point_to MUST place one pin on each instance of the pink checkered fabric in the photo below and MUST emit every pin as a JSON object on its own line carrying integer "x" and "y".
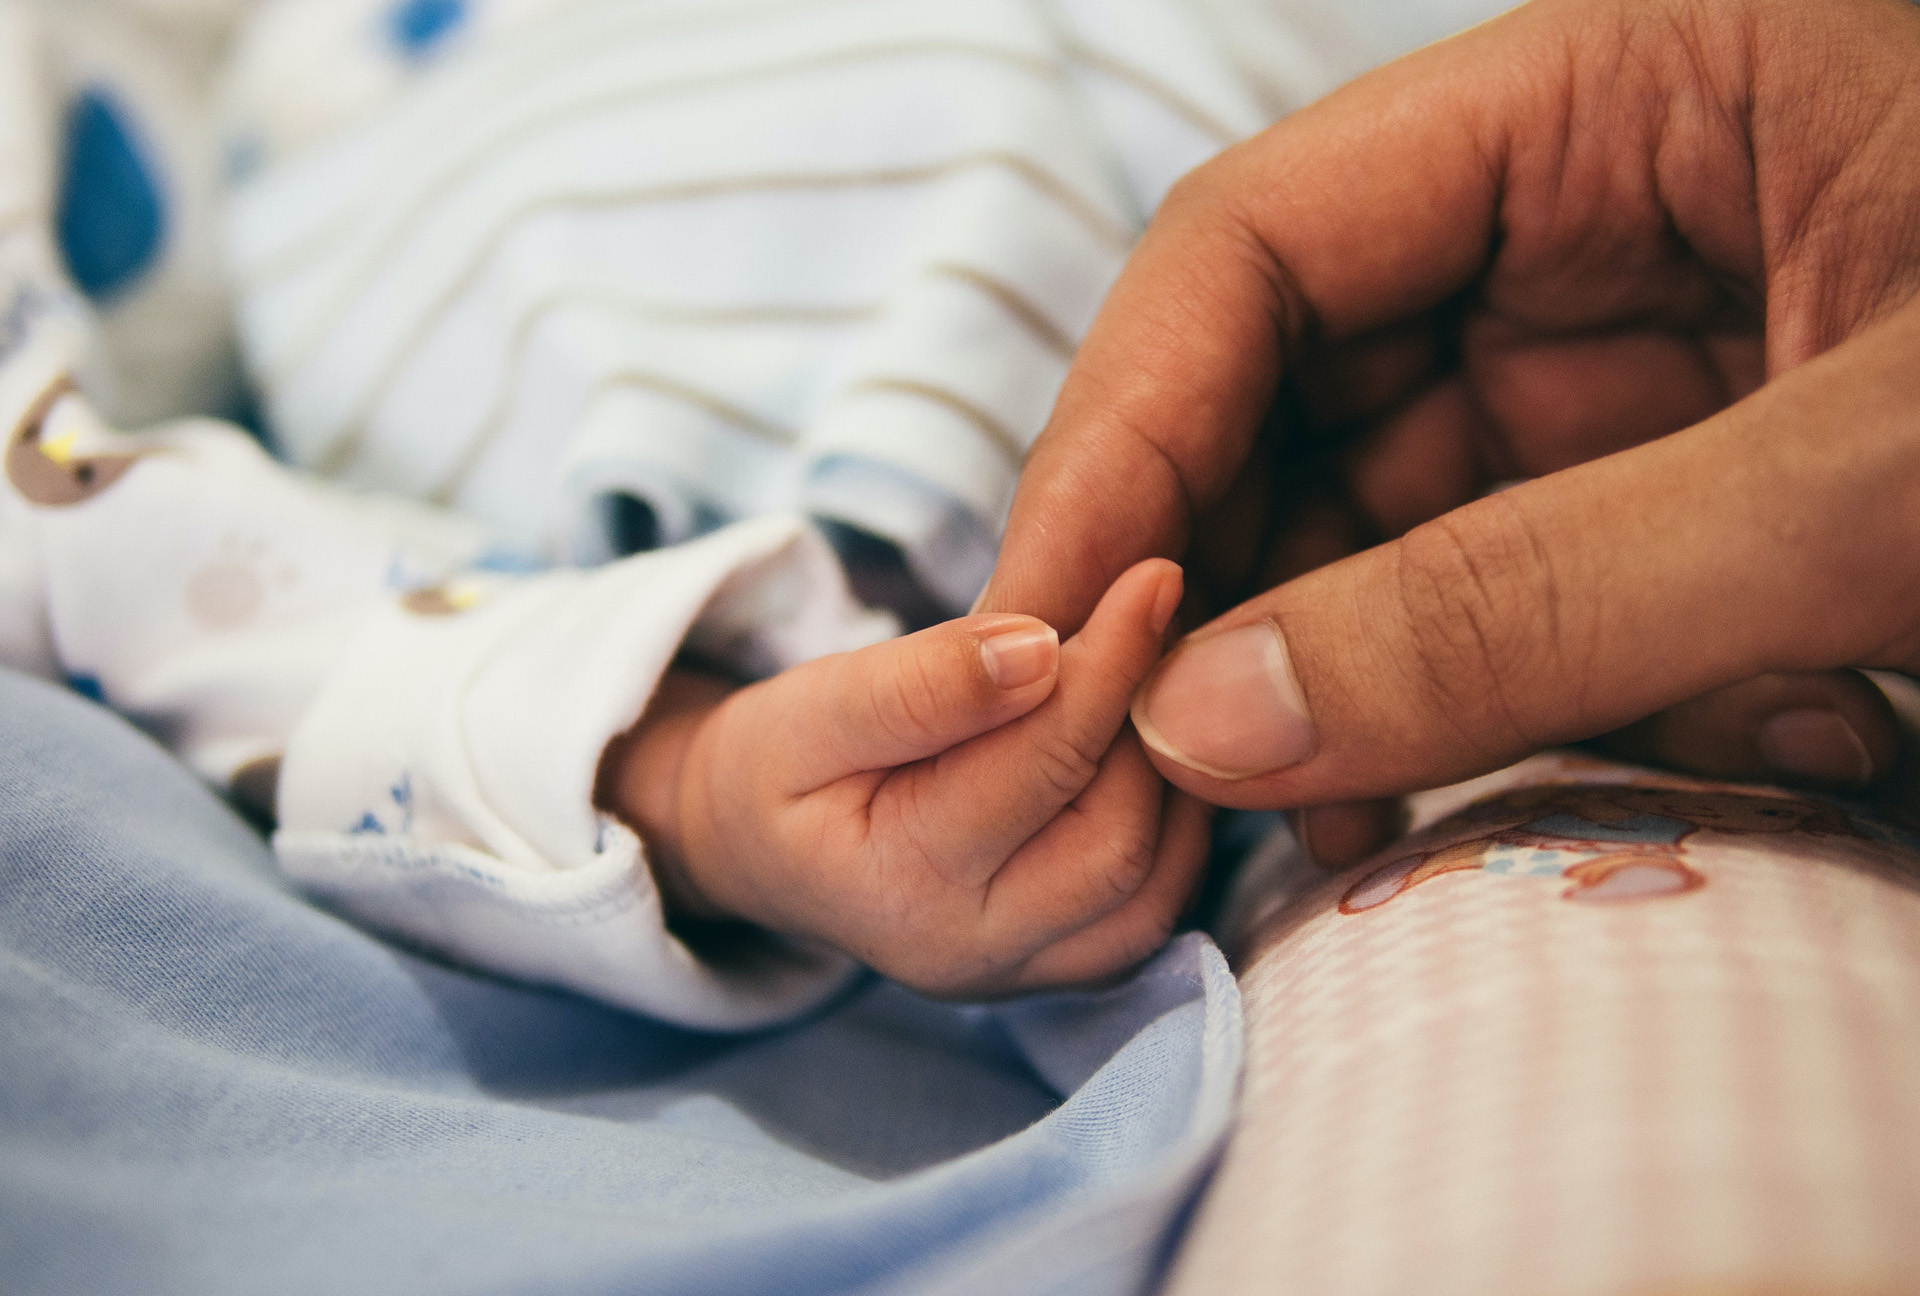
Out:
{"x": 1502, "y": 1079}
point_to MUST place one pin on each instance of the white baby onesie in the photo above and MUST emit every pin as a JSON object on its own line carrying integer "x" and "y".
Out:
{"x": 432, "y": 728}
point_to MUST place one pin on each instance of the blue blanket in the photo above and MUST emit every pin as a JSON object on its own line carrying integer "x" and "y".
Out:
{"x": 209, "y": 1086}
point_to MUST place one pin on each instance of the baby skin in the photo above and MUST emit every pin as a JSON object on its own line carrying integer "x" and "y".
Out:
{"x": 965, "y": 809}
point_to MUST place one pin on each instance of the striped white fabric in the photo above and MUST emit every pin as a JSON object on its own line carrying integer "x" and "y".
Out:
{"x": 727, "y": 256}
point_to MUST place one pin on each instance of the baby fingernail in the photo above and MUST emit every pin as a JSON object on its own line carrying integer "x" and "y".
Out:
{"x": 1815, "y": 743}
{"x": 1173, "y": 587}
{"x": 1021, "y": 657}
{"x": 1228, "y": 706}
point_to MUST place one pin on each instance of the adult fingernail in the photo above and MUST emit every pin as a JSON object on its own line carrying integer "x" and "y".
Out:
{"x": 1815, "y": 743}
{"x": 1228, "y": 705}
{"x": 1021, "y": 657}
{"x": 1300, "y": 822}
{"x": 1338, "y": 835}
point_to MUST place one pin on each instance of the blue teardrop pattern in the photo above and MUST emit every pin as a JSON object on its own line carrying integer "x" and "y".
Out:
{"x": 112, "y": 218}
{"x": 419, "y": 27}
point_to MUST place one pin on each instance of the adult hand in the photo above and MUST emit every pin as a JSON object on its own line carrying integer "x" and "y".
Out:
{"x": 1657, "y": 259}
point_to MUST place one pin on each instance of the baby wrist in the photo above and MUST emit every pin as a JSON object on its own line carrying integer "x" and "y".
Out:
{"x": 645, "y": 779}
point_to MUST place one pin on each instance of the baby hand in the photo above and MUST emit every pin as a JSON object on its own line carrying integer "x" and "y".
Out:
{"x": 963, "y": 809}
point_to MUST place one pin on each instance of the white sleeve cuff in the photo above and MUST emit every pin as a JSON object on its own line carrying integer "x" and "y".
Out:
{"x": 440, "y": 788}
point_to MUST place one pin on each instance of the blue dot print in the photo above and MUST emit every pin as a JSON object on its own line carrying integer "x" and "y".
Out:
{"x": 418, "y": 27}
{"x": 112, "y": 217}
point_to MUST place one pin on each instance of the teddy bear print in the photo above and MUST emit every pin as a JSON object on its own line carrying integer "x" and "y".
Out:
{"x": 228, "y": 593}
{"x": 46, "y": 470}
{"x": 1611, "y": 844}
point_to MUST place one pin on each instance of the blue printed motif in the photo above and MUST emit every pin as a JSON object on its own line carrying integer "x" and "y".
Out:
{"x": 1502, "y": 861}
{"x": 1879, "y": 830}
{"x": 1640, "y": 829}
{"x": 87, "y": 687}
{"x": 242, "y": 156}
{"x": 507, "y": 562}
{"x": 404, "y": 575}
{"x": 29, "y": 305}
{"x": 1582, "y": 836}
{"x": 1585, "y": 840}
{"x": 401, "y": 794}
{"x": 112, "y": 218}
{"x": 419, "y": 27}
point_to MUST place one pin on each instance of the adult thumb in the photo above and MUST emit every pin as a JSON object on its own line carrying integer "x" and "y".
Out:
{"x": 1776, "y": 536}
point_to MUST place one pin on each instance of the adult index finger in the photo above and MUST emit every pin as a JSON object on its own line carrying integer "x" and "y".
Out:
{"x": 1375, "y": 205}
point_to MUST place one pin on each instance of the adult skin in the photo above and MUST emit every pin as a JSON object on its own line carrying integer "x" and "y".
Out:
{"x": 1657, "y": 260}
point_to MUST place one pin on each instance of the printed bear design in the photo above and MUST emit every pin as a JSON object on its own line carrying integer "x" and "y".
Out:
{"x": 49, "y": 473}
{"x": 229, "y": 592}
{"x": 1613, "y": 844}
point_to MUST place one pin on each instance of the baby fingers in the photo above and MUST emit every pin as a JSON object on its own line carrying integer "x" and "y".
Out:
{"x": 1126, "y": 935}
{"x": 1099, "y": 888}
{"x": 904, "y": 700}
{"x": 968, "y": 810}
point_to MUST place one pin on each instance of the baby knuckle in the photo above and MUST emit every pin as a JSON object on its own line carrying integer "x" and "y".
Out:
{"x": 1064, "y": 765}
{"x": 950, "y": 974}
{"x": 916, "y": 844}
{"x": 1145, "y": 938}
{"x": 911, "y": 704}
{"x": 1126, "y": 862}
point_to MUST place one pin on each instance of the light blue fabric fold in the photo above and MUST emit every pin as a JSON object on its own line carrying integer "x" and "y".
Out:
{"x": 208, "y": 1086}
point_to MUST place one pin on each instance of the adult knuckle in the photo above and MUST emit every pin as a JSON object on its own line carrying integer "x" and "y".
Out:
{"x": 1481, "y": 605}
